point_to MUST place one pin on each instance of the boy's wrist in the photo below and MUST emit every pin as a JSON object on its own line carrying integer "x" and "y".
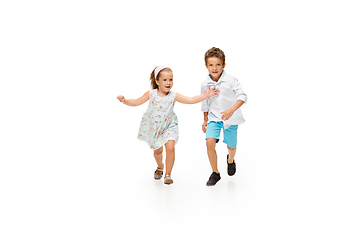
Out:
{"x": 237, "y": 105}
{"x": 205, "y": 116}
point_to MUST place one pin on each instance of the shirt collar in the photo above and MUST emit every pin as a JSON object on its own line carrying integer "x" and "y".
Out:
{"x": 221, "y": 79}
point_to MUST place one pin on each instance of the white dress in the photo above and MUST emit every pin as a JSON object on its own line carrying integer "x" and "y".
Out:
{"x": 159, "y": 123}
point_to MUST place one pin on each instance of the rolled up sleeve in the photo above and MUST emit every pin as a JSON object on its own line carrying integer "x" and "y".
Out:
{"x": 240, "y": 94}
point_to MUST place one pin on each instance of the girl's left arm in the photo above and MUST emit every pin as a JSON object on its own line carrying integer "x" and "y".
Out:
{"x": 188, "y": 100}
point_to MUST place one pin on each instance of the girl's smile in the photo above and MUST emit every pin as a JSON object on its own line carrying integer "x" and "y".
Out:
{"x": 165, "y": 82}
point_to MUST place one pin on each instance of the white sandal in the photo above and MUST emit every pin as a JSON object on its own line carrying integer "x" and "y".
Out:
{"x": 168, "y": 180}
{"x": 158, "y": 173}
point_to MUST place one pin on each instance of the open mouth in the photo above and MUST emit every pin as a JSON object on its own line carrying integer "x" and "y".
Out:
{"x": 168, "y": 87}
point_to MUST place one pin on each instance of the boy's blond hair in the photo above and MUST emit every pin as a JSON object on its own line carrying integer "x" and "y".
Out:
{"x": 215, "y": 52}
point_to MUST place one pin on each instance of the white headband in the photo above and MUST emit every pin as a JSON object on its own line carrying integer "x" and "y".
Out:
{"x": 158, "y": 69}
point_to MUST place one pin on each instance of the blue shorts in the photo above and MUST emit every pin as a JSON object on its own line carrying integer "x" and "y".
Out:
{"x": 230, "y": 134}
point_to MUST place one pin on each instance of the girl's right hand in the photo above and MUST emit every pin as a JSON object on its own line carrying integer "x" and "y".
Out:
{"x": 121, "y": 98}
{"x": 212, "y": 92}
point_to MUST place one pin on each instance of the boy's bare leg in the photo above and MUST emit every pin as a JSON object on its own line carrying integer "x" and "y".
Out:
{"x": 232, "y": 152}
{"x": 158, "y": 157}
{"x": 170, "y": 156}
{"x": 210, "y": 144}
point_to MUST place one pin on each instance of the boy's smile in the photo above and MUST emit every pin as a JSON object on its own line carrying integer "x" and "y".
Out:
{"x": 215, "y": 68}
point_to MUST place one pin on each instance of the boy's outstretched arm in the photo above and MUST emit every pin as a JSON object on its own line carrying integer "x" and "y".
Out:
{"x": 134, "y": 102}
{"x": 187, "y": 100}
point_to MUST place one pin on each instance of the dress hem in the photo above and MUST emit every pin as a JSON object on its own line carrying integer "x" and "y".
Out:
{"x": 161, "y": 145}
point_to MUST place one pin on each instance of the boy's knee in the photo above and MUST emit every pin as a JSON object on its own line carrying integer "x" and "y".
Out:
{"x": 210, "y": 143}
{"x": 231, "y": 149}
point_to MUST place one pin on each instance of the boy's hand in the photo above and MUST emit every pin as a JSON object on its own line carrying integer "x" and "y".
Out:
{"x": 227, "y": 114}
{"x": 121, "y": 98}
{"x": 204, "y": 125}
{"x": 212, "y": 92}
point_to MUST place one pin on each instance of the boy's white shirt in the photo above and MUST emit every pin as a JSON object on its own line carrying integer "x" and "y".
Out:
{"x": 230, "y": 92}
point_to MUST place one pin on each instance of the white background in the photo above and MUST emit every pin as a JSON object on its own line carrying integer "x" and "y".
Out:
{"x": 72, "y": 168}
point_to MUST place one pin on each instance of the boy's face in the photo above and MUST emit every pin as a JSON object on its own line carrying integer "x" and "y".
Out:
{"x": 165, "y": 81}
{"x": 215, "y": 67}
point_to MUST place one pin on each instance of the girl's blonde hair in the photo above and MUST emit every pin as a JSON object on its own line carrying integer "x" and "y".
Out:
{"x": 152, "y": 77}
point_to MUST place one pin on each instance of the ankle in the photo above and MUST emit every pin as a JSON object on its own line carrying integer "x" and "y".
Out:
{"x": 230, "y": 160}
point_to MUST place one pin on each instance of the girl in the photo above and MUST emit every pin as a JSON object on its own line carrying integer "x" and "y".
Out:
{"x": 159, "y": 125}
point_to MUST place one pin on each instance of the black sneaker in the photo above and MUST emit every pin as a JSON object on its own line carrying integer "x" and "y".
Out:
{"x": 231, "y": 167}
{"x": 214, "y": 178}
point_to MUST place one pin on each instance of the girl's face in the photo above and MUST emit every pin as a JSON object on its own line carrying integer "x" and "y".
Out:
{"x": 165, "y": 81}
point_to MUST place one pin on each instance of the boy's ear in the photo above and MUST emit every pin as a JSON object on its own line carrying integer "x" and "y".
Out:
{"x": 224, "y": 65}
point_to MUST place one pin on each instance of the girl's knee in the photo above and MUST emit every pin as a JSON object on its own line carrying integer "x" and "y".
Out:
{"x": 170, "y": 149}
{"x": 158, "y": 151}
{"x": 170, "y": 146}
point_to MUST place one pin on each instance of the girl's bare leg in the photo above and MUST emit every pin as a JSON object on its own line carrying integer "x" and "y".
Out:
{"x": 158, "y": 157}
{"x": 170, "y": 156}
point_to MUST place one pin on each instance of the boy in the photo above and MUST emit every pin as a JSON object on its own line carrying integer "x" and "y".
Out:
{"x": 221, "y": 112}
